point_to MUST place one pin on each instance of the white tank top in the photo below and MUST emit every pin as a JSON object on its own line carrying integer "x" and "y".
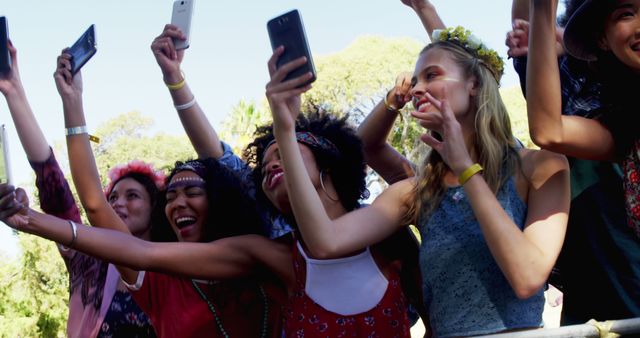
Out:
{"x": 346, "y": 286}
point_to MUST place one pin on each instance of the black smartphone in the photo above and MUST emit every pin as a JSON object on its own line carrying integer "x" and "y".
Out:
{"x": 5, "y": 57}
{"x": 287, "y": 30}
{"x": 83, "y": 49}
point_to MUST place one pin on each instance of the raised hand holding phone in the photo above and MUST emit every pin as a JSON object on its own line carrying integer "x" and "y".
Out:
{"x": 284, "y": 95}
{"x": 181, "y": 17}
{"x": 168, "y": 58}
{"x": 287, "y": 31}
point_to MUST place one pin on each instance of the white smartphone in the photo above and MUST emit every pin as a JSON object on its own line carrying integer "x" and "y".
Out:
{"x": 5, "y": 169}
{"x": 181, "y": 17}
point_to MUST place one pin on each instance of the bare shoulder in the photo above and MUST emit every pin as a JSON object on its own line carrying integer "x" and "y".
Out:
{"x": 539, "y": 165}
{"x": 397, "y": 191}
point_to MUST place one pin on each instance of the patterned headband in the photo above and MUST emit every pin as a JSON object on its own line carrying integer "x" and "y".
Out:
{"x": 192, "y": 165}
{"x": 312, "y": 141}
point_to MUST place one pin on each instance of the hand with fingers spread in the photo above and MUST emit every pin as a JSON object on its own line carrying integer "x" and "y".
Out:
{"x": 284, "y": 96}
{"x": 68, "y": 84}
{"x": 14, "y": 206}
{"x": 452, "y": 147}
{"x": 167, "y": 57}
{"x": 10, "y": 81}
{"x": 399, "y": 95}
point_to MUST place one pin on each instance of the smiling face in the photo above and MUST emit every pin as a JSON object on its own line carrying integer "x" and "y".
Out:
{"x": 437, "y": 72}
{"x": 131, "y": 201}
{"x": 622, "y": 33}
{"x": 273, "y": 180}
{"x": 187, "y": 206}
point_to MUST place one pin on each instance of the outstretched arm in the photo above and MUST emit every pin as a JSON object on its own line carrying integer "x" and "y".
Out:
{"x": 325, "y": 237}
{"x": 31, "y": 137}
{"x": 198, "y": 128}
{"x": 375, "y": 129}
{"x": 225, "y": 258}
{"x": 571, "y": 135}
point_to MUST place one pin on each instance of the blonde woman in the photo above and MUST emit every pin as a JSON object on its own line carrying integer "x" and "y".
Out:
{"x": 492, "y": 216}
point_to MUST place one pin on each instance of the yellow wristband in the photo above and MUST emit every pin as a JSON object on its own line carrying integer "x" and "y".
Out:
{"x": 178, "y": 85}
{"x": 388, "y": 106}
{"x": 468, "y": 173}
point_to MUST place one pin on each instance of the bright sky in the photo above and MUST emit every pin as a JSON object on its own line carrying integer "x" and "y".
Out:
{"x": 225, "y": 63}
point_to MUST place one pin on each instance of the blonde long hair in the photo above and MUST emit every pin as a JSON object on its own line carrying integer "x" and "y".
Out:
{"x": 494, "y": 142}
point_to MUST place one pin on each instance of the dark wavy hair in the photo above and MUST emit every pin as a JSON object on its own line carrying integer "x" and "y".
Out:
{"x": 570, "y": 6}
{"x": 347, "y": 168}
{"x": 231, "y": 212}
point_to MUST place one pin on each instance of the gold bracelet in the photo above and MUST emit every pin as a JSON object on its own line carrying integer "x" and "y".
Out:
{"x": 468, "y": 173}
{"x": 178, "y": 85}
{"x": 388, "y": 106}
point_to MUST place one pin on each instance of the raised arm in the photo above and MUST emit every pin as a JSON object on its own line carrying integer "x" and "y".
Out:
{"x": 222, "y": 259}
{"x": 570, "y": 135}
{"x": 83, "y": 165}
{"x": 520, "y": 10}
{"x": 325, "y": 235}
{"x": 31, "y": 137}
{"x": 427, "y": 13}
{"x": 198, "y": 128}
{"x": 375, "y": 129}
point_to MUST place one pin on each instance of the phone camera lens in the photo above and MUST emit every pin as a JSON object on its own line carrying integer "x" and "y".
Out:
{"x": 182, "y": 2}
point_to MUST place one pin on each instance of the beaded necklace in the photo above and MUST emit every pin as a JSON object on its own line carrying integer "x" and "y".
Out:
{"x": 265, "y": 314}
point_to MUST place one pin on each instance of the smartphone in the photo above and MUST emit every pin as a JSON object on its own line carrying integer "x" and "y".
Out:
{"x": 5, "y": 56}
{"x": 83, "y": 49}
{"x": 5, "y": 169}
{"x": 287, "y": 30}
{"x": 181, "y": 17}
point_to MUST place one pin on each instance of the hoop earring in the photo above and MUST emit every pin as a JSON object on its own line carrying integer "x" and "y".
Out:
{"x": 323, "y": 188}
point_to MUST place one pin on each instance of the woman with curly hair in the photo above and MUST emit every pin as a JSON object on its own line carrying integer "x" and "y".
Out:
{"x": 492, "y": 216}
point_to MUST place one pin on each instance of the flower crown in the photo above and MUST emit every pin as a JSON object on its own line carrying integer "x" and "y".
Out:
{"x": 135, "y": 166}
{"x": 474, "y": 45}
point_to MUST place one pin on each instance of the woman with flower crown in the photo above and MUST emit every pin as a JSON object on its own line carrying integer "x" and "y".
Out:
{"x": 99, "y": 304}
{"x": 492, "y": 215}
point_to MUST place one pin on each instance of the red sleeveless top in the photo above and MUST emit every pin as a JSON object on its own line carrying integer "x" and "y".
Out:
{"x": 305, "y": 318}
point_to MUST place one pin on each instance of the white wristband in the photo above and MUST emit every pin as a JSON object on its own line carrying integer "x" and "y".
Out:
{"x": 187, "y": 105}
{"x": 76, "y": 130}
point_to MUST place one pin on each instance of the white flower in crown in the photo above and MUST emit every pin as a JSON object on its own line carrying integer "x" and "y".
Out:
{"x": 439, "y": 35}
{"x": 474, "y": 42}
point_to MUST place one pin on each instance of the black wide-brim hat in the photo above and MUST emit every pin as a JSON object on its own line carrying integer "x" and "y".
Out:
{"x": 584, "y": 28}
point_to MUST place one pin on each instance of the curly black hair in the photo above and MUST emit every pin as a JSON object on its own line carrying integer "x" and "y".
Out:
{"x": 232, "y": 212}
{"x": 347, "y": 168}
{"x": 570, "y": 6}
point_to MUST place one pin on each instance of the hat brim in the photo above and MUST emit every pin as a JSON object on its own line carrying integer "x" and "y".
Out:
{"x": 580, "y": 34}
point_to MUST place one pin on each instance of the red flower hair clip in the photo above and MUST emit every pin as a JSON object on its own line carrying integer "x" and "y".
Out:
{"x": 136, "y": 166}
